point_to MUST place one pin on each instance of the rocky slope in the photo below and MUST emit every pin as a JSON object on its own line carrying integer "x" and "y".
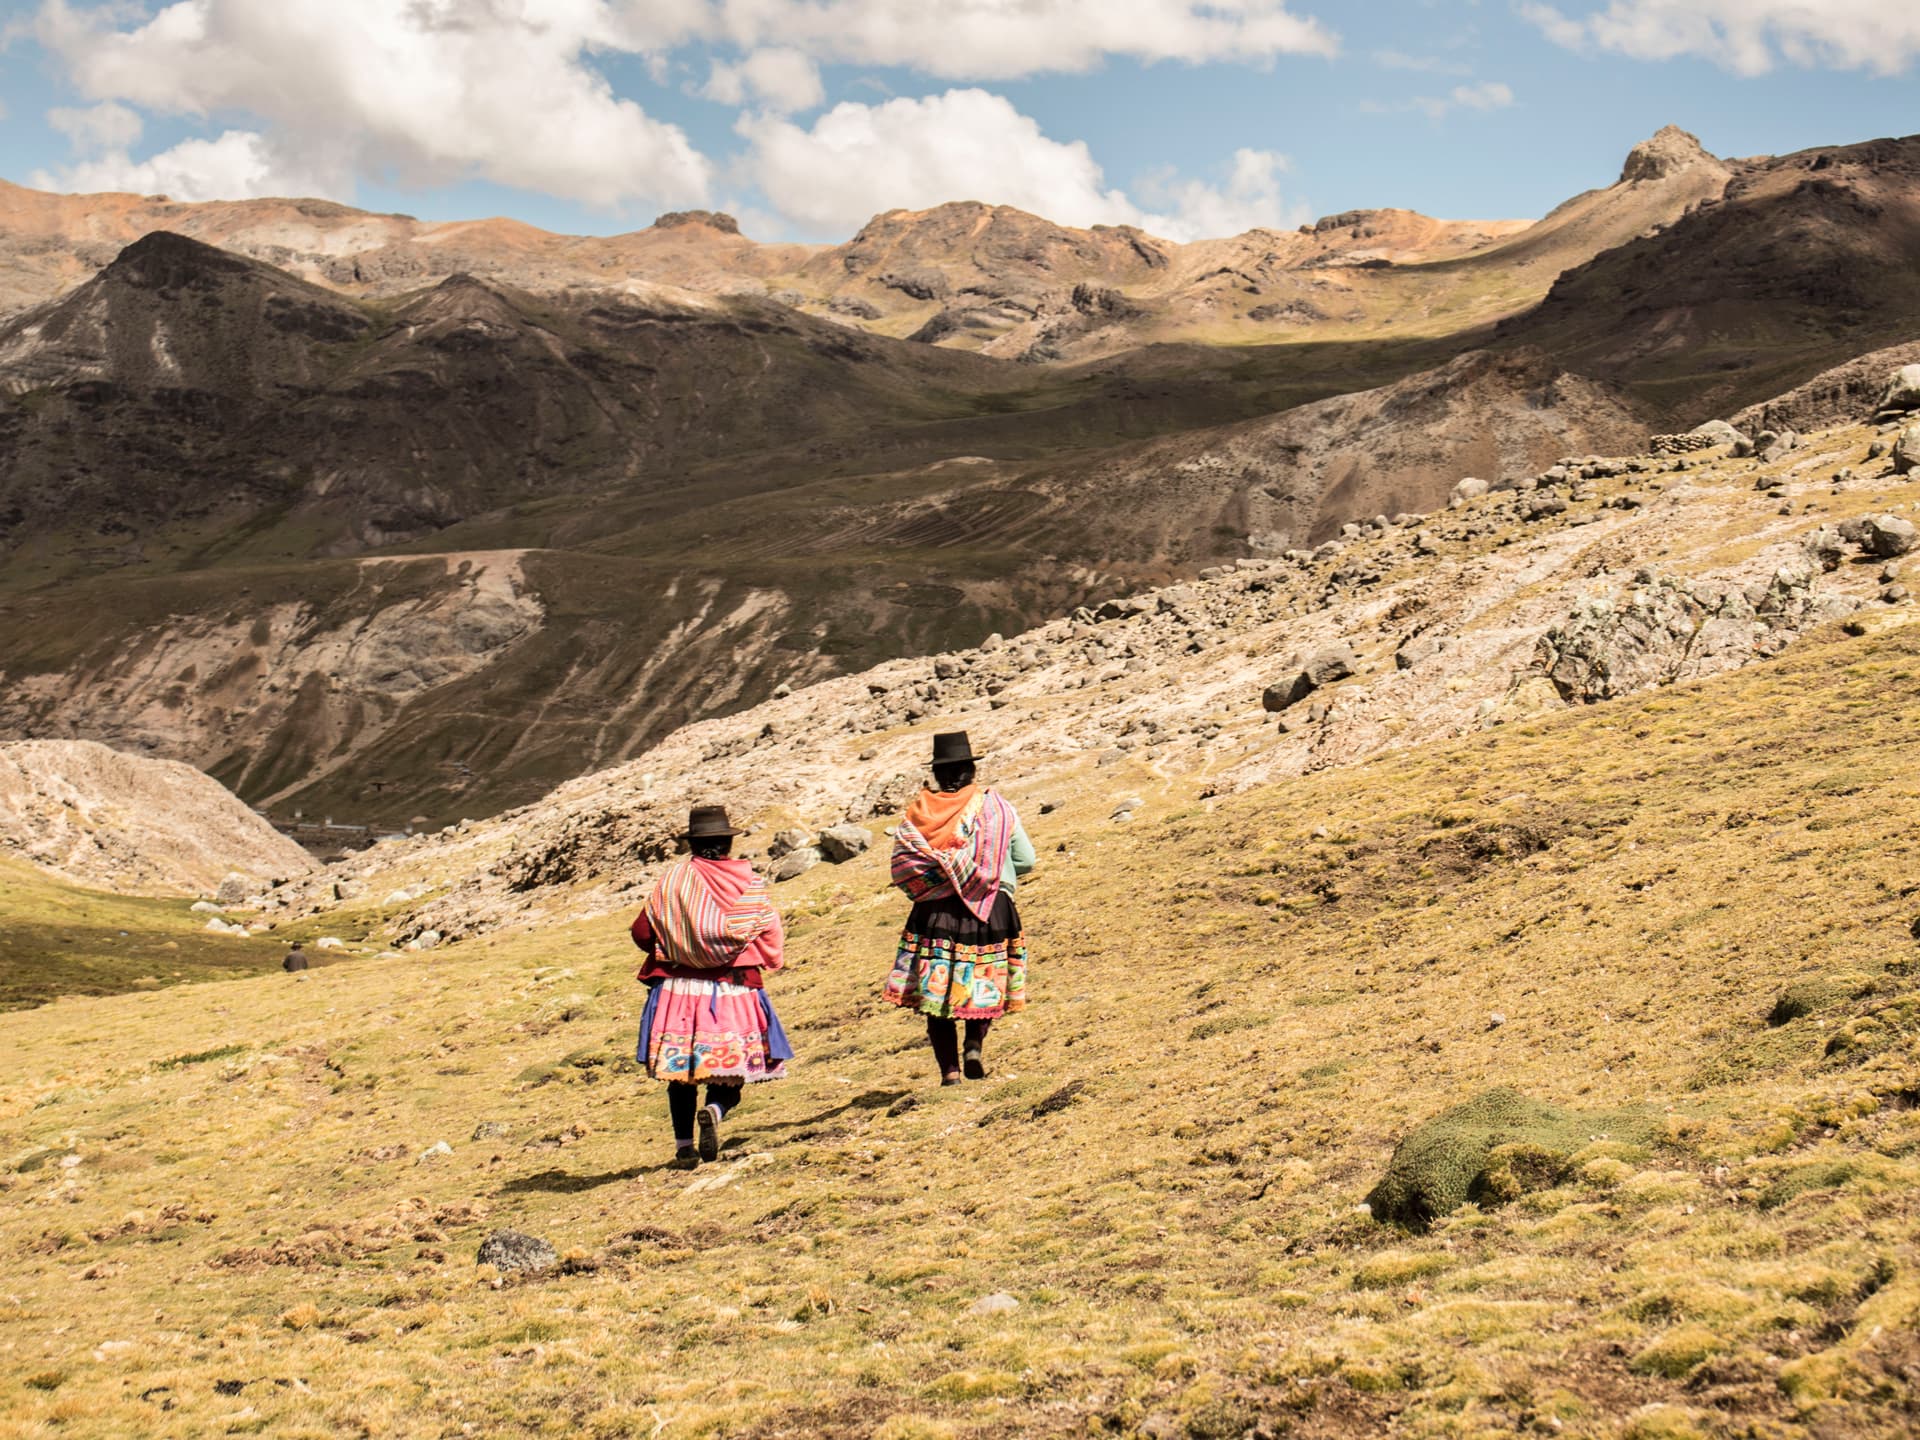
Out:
{"x": 1594, "y": 578}
{"x": 133, "y": 825}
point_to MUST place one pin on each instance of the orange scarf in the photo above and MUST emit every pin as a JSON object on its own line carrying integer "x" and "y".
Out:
{"x": 936, "y": 815}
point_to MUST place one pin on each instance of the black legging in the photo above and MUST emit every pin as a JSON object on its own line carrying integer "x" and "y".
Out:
{"x": 946, "y": 1044}
{"x": 683, "y": 1102}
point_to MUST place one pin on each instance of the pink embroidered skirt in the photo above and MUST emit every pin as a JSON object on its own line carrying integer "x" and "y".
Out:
{"x": 697, "y": 1030}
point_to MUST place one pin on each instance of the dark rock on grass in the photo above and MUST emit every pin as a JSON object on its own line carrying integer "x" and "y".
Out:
{"x": 1491, "y": 1149}
{"x": 510, "y": 1250}
{"x": 785, "y": 842}
{"x": 796, "y": 863}
{"x": 841, "y": 843}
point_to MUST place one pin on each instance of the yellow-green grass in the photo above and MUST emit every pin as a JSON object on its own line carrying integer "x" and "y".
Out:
{"x": 246, "y": 1243}
{"x": 63, "y": 939}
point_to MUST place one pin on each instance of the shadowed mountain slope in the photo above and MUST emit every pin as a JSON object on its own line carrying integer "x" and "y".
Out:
{"x": 1805, "y": 261}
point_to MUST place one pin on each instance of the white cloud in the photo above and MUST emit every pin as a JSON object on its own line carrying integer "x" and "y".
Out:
{"x": 1250, "y": 199}
{"x": 1746, "y": 36}
{"x": 1487, "y": 95}
{"x": 433, "y": 90}
{"x": 238, "y": 165}
{"x": 781, "y": 80}
{"x": 97, "y": 127}
{"x": 1425, "y": 64}
{"x": 1002, "y": 39}
{"x": 858, "y": 160}
{"x": 1484, "y": 95}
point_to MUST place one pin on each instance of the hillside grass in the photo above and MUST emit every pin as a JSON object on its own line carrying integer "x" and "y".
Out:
{"x": 62, "y": 939}
{"x": 218, "y": 1221}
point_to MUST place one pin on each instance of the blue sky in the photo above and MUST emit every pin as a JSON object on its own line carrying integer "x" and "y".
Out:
{"x": 1190, "y": 117}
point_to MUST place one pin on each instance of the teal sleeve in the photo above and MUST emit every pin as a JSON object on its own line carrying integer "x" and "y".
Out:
{"x": 1021, "y": 854}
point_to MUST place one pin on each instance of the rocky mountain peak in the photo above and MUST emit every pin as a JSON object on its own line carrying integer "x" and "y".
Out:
{"x": 1667, "y": 152}
{"x": 164, "y": 260}
{"x": 711, "y": 219}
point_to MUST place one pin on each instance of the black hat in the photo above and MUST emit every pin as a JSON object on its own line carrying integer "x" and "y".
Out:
{"x": 708, "y": 821}
{"x": 950, "y": 747}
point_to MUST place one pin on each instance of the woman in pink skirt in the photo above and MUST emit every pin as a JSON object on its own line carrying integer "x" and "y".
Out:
{"x": 709, "y": 931}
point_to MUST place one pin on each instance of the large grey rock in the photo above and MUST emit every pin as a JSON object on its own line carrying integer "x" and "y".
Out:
{"x": 841, "y": 843}
{"x": 1906, "y": 451}
{"x": 1321, "y": 669}
{"x": 234, "y": 889}
{"x": 1471, "y": 488}
{"x": 512, "y": 1250}
{"x": 1417, "y": 649}
{"x": 1903, "y": 390}
{"x": 1667, "y": 629}
{"x": 1719, "y": 432}
{"x": 1886, "y": 536}
{"x": 796, "y": 863}
{"x": 1543, "y": 506}
{"x": 785, "y": 842}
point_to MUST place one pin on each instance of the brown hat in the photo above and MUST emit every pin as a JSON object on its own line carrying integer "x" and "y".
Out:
{"x": 950, "y": 747}
{"x": 705, "y": 822}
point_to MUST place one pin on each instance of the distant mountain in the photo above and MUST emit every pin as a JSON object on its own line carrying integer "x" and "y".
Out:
{"x": 961, "y": 275}
{"x": 380, "y": 541}
{"x": 1798, "y": 263}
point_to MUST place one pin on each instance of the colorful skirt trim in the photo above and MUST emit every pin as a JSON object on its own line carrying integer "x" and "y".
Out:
{"x": 954, "y": 966}
{"x": 697, "y": 1030}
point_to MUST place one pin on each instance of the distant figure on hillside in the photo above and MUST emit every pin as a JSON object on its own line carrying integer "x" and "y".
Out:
{"x": 709, "y": 931}
{"x": 958, "y": 855}
{"x": 296, "y": 958}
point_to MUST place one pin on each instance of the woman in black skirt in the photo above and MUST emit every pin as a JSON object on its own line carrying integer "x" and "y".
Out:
{"x": 958, "y": 855}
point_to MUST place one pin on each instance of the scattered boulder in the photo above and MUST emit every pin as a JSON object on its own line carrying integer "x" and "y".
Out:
{"x": 785, "y": 842}
{"x": 1902, "y": 392}
{"x": 1414, "y": 650}
{"x": 490, "y": 1130}
{"x": 1323, "y": 668}
{"x": 796, "y": 863}
{"x": 1543, "y": 506}
{"x": 1885, "y": 536}
{"x": 841, "y": 843}
{"x": 433, "y": 1152}
{"x": 511, "y": 1250}
{"x": 1717, "y": 432}
{"x": 1906, "y": 451}
{"x": 1470, "y": 488}
{"x": 234, "y": 888}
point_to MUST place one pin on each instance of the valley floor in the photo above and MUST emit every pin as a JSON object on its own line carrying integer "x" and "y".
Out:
{"x": 221, "y": 1215}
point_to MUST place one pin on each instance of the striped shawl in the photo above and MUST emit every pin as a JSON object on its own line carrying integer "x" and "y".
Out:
{"x": 970, "y": 867}
{"x": 704, "y": 914}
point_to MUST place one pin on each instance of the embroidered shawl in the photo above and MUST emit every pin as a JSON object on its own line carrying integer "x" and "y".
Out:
{"x": 967, "y": 858}
{"x": 706, "y": 912}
